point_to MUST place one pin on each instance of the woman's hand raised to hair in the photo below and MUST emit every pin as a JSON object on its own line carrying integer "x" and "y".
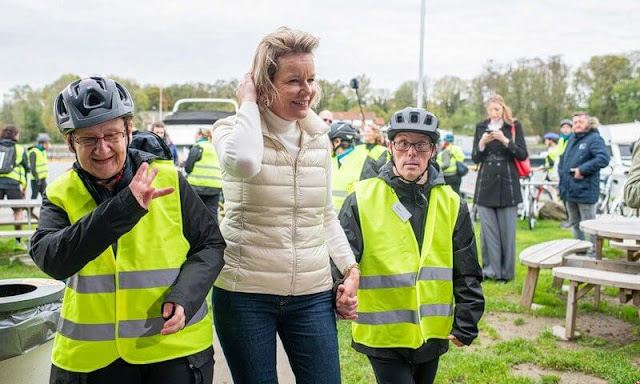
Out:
{"x": 141, "y": 188}
{"x": 246, "y": 90}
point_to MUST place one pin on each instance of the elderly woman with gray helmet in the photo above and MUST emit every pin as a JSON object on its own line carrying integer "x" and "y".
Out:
{"x": 138, "y": 248}
{"x": 420, "y": 277}
{"x": 279, "y": 222}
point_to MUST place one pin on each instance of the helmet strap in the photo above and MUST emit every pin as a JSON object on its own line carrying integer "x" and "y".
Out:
{"x": 402, "y": 177}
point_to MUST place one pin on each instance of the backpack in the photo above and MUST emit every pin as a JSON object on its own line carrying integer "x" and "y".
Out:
{"x": 7, "y": 158}
{"x": 446, "y": 159}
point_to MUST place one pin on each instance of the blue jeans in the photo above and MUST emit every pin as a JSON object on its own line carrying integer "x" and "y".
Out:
{"x": 246, "y": 324}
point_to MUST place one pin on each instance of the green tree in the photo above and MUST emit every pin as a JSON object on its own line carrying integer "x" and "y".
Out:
{"x": 594, "y": 82}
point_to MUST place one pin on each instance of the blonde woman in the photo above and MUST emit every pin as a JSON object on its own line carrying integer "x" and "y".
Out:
{"x": 279, "y": 222}
{"x": 497, "y": 192}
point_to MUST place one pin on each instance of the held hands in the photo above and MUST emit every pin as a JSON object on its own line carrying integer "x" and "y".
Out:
{"x": 455, "y": 341}
{"x": 175, "y": 320}
{"x": 246, "y": 90}
{"x": 346, "y": 299}
{"x": 141, "y": 188}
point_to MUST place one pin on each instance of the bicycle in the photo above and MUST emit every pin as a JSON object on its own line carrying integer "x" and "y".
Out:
{"x": 532, "y": 194}
{"x": 611, "y": 199}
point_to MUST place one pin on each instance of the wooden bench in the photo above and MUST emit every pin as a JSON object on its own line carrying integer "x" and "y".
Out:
{"x": 631, "y": 246}
{"x": 585, "y": 273}
{"x": 546, "y": 256}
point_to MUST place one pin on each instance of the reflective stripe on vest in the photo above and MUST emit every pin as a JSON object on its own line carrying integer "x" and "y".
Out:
{"x": 42, "y": 165}
{"x": 206, "y": 171}
{"x": 405, "y": 299}
{"x": 126, "y": 328}
{"x": 112, "y": 307}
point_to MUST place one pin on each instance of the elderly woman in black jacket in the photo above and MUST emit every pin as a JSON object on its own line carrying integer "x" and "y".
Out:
{"x": 497, "y": 192}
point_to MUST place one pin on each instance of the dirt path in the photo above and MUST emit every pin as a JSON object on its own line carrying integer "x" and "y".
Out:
{"x": 509, "y": 326}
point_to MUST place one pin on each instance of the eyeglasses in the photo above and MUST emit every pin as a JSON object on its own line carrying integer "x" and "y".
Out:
{"x": 92, "y": 141}
{"x": 404, "y": 146}
{"x": 327, "y": 121}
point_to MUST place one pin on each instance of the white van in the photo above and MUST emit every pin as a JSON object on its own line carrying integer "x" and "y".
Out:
{"x": 182, "y": 125}
{"x": 619, "y": 139}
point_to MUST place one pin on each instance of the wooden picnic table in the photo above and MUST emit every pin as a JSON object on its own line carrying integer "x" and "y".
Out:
{"x": 612, "y": 228}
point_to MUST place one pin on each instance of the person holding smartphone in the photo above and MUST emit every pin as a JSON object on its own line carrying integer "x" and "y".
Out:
{"x": 497, "y": 193}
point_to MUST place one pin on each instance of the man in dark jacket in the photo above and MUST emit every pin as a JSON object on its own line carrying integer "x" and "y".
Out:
{"x": 579, "y": 172}
{"x": 138, "y": 249}
{"x": 420, "y": 277}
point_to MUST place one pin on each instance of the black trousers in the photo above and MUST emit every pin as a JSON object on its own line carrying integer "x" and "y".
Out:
{"x": 38, "y": 187}
{"x": 177, "y": 371}
{"x": 396, "y": 371}
{"x": 454, "y": 181}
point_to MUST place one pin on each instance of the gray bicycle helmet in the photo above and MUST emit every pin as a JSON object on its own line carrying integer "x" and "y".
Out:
{"x": 91, "y": 101}
{"x": 343, "y": 130}
{"x": 416, "y": 120}
{"x": 566, "y": 121}
{"x": 43, "y": 138}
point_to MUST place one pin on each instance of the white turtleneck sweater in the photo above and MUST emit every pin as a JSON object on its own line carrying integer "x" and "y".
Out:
{"x": 241, "y": 153}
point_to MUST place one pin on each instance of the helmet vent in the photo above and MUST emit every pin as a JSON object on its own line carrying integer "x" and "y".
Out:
{"x": 399, "y": 119}
{"x": 93, "y": 101}
{"x": 100, "y": 82}
{"x": 62, "y": 109}
{"x": 414, "y": 117}
{"x": 428, "y": 120}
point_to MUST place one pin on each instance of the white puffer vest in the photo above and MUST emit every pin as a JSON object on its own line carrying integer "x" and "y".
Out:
{"x": 274, "y": 221}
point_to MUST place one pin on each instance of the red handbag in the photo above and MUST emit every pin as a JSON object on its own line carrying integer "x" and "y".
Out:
{"x": 522, "y": 166}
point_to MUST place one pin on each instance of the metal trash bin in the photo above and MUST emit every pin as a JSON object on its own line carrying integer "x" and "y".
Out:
{"x": 29, "y": 312}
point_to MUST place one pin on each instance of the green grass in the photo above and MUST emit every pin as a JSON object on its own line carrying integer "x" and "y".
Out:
{"x": 492, "y": 358}
{"x": 491, "y": 361}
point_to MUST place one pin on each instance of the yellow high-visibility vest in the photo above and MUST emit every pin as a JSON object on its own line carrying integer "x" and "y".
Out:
{"x": 406, "y": 294}
{"x": 42, "y": 163}
{"x": 349, "y": 171}
{"x": 206, "y": 171}
{"x": 112, "y": 306}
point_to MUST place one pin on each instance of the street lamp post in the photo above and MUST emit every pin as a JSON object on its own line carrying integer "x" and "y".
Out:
{"x": 420, "y": 71}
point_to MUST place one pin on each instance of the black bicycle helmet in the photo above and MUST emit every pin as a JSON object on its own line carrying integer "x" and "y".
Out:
{"x": 343, "y": 130}
{"x": 417, "y": 120}
{"x": 91, "y": 101}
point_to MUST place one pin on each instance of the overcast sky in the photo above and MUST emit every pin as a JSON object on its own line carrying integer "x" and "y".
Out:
{"x": 164, "y": 42}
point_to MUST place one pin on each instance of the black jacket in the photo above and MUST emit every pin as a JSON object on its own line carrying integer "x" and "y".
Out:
{"x": 61, "y": 249}
{"x": 498, "y": 183}
{"x": 467, "y": 274}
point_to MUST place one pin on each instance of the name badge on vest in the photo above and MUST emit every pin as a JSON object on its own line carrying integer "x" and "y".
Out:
{"x": 401, "y": 211}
